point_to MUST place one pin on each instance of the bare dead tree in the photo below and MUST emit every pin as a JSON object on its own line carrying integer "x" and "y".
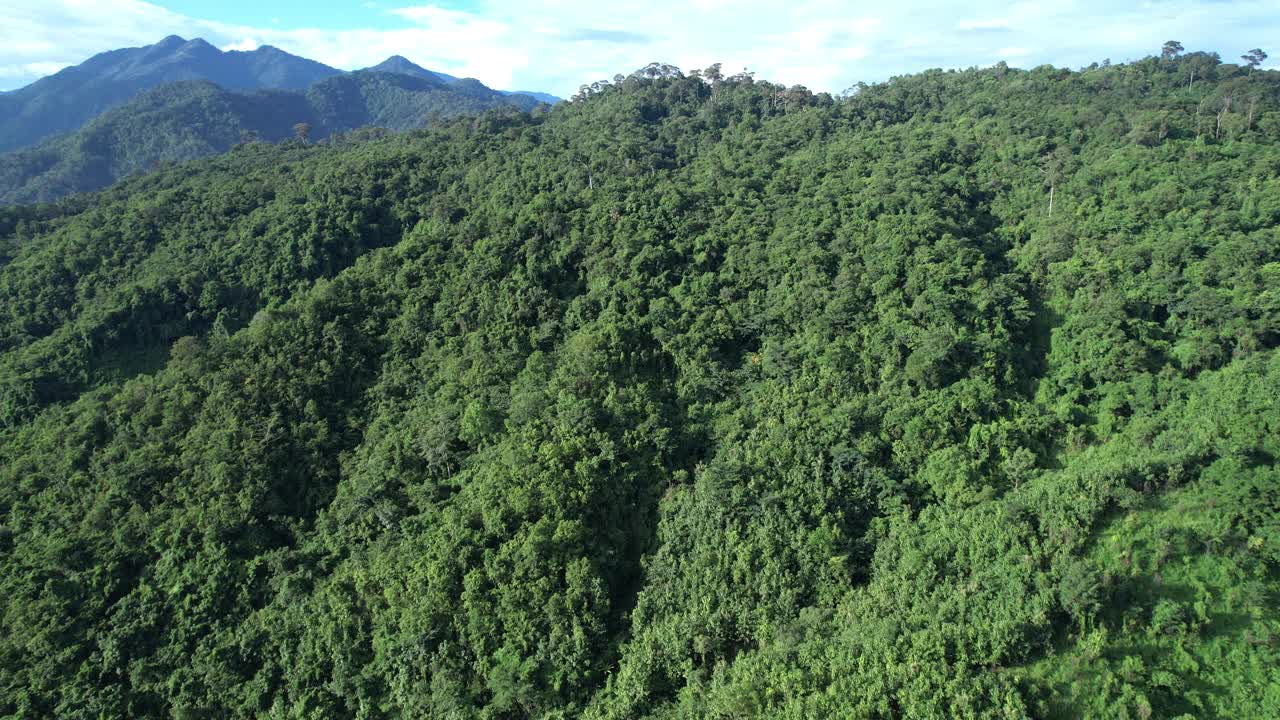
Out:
{"x": 1226, "y": 109}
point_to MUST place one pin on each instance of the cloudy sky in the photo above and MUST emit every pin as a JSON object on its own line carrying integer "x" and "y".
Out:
{"x": 557, "y": 45}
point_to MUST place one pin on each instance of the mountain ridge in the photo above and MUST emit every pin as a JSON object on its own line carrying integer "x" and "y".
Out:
{"x": 66, "y": 100}
{"x": 401, "y": 64}
{"x": 262, "y": 92}
{"x": 188, "y": 119}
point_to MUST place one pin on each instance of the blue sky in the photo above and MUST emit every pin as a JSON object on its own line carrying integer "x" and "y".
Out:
{"x": 556, "y": 46}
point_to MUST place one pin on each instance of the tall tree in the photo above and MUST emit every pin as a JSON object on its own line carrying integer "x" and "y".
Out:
{"x": 1254, "y": 58}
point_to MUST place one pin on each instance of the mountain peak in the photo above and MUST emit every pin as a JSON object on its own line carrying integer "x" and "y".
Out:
{"x": 196, "y": 45}
{"x": 66, "y": 100}
{"x": 168, "y": 46}
{"x": 403, "y": 65}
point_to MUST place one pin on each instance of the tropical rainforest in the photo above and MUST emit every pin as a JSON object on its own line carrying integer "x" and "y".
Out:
{"x": 956, "y": 396}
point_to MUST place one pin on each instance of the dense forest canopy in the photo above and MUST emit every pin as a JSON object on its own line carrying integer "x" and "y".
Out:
{"x": 698, "y": 396}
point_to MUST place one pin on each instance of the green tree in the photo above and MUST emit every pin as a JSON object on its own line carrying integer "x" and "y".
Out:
{"x": 1254, "y": 58}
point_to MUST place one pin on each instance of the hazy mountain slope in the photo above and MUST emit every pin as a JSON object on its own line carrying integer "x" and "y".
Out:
{"x": 399, "y": 101}
{"x": 186, "y": 120}
{"x": 542, "y": 97}
{"x": 176, "y": 122}
{"x": 66, "y": 100}
{"x": 401, "y": 65}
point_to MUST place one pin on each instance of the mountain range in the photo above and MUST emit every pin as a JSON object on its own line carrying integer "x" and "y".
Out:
{"x": 125, "y": 110}
{"x": 68, "y": 99}
{"x": 403, "y": 66}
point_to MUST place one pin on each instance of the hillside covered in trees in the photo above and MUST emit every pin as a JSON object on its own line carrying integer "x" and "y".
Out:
{"x": 693, "y": 397}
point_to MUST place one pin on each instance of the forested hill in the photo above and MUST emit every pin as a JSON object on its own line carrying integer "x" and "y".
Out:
{"x": 694, "y": 397}
{"x": 192, "y": 119}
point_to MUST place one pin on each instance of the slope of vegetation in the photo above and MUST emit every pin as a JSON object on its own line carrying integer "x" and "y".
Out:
{"x": 955, "y": 398}
{"x": 176, "y": 122}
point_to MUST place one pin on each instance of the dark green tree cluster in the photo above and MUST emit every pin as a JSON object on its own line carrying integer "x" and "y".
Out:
{"x": 698, "y": 396}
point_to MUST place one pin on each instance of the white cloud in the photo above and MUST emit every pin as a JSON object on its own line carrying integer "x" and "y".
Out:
{"x": 26, "y": 70}
{"x": 243, "y": 44}
{"x": 38, "y": 38}
{"x": 556, "y": 45}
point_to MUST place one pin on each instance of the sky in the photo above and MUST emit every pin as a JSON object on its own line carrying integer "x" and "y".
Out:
{"x": 558, "y": 45}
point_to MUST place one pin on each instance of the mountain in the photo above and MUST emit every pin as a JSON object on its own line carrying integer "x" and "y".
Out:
{"x": 541, "y": 97}
{"x": 127, "y": 110}
{"x": 401, "y": 65}
{"x": 175, "y": 122}
{"x": 953, "y": 398}
{"x": 400, "y": 101}
{"x": 191, "y": 119}
{"x": 66, "y": 100}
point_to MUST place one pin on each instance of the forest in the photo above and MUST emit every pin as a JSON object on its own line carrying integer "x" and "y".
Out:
{"x": 697, "y": 396}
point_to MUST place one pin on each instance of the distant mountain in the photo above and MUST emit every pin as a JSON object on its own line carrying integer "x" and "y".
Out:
{"x": 194, "y": 118}
{"x": 399, "y": 101}
{"x": 174, "y": 122}
{"x": 66, "y": 100}
{"x": 539, "y": 96}
{"x": 123, "y": 111}
{"x": 404, "y": 66}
